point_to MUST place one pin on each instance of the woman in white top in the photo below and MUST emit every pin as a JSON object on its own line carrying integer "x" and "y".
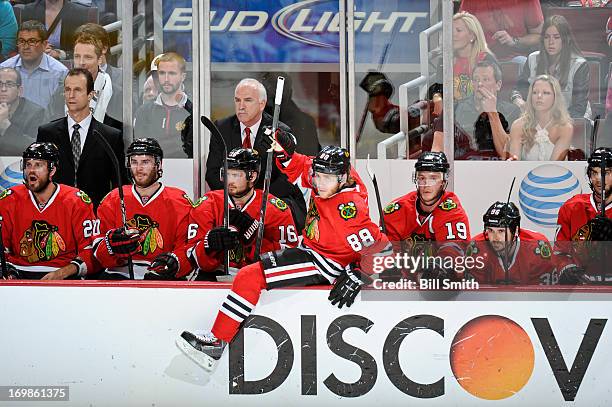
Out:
{"x": 544, "y": 131}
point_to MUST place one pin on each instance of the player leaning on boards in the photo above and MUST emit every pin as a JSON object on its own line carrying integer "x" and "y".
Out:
{"x": 208, "y": 239}
{"x": 581, "y": 222}
{"x": 47, "y": 228}
{"x": 157, "y": 217}
{"x": 429, "y": 214}
{"x": 337, "y": 236}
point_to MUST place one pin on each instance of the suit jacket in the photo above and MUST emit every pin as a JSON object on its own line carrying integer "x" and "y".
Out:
{"x": 96, "y": 174}
{"x": 279, "y": 185}
{"x": 22, "y": 131}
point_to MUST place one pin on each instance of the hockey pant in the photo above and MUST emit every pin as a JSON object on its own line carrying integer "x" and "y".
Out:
{"x": 284, "y": 268}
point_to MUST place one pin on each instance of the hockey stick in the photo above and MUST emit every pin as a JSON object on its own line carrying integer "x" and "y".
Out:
{"x": 380, "y": 208}
{"x": 280, "y": 83}
{"x": 507, "y": 247}
{"x": 113, "y": 158}
{"x": 3, "y": 268}
{"x": 215, "y": 131}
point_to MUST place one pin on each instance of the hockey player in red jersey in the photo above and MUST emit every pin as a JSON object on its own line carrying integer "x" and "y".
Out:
{"x": 338, "y": 233}
{"x": 208, "y": 239}
{"x": 509, "y": 254}
{"x": 429, "y": 214}
{"x": 581, "y": 226}
{"x": 157, "y": 217}
{"x": 47, "y": 228}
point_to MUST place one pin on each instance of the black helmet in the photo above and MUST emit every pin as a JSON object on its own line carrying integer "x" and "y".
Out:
{"x": 600, "y": 153}
{"x": 332, "y": 160}
{"x": 41, "y": 151}
{"x": 245, "y": 159}
{"x": 145, "y": 146}
{"x": 500, "y": 215}
{"x": 432, "y": 161}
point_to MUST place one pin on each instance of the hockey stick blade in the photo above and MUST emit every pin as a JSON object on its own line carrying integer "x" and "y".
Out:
{"x": 372, "y": 175}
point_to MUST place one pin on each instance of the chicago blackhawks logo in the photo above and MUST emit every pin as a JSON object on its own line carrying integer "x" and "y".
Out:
{"x": 583, "y": 234}
{"x": 347, "y": 210}
{"x": 5, "y": 193}
{"x": 236, "y": 256}
{"x": 197, "y": 202}
{"x": 418, "y": 245}
{"x": 312, "y": 222}
{"x": 448, "y": 205}
{"x": 41, "y": 242}
{"x": 543, "y": 250}
{"x": 84, "y": 197}
{"x": 392, "y": 207}
{"x": 279, "y": 203}
{"x": 149, "y": 229}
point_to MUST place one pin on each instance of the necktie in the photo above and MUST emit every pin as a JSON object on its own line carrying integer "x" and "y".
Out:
{"x": 76, "y": 149}
{"x": 246, "y": 143}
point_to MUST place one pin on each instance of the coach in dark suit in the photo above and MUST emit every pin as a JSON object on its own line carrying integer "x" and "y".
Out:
{"x": 82, "y": 155}
{"x": 245, "y": 129}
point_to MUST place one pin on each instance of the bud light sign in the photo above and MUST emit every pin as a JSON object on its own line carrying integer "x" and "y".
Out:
{"x": 307, "y": 31}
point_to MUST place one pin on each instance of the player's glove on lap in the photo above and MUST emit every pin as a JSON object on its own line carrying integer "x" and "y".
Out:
{"x": 11, "y": 273}
{"x": 163, "y": 267}
{"x": 246, "y": 225}
{"x": 219, "y": 239}
{"x": 601, "y": 229}
{"x": 120, "y": 241}
{"x": 573, "y": 275}
{"x": 286, "y": 143}
{"x": 346, "y": 287}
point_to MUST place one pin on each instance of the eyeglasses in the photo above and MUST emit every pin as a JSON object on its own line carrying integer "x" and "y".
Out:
{"x": 31, "y": 42}
{"x": 8, "y": 85}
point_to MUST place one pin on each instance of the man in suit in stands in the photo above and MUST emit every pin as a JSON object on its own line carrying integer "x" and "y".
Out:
{"x": 246, "y": 129}
{"x": 84, "y": 162}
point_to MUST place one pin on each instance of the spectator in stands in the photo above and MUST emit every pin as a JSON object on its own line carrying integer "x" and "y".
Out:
{"x": 469, "y": 48}
{"x": 544, "y": 131}
{"x": 41, "y": 73}
{"x": 19, "y": 118}
{"x": 150, "y": 89}
{"x": 61, "y": 17}
{"x": 8, "y": 29}
{"x": 511, "y": 27}
{"x": 106, "y": 105}
{"x": 164, "y": 117}
{"x": 560, "y": 57}
{"x": 97, "y": 31}
{"x": 482, "y": 122}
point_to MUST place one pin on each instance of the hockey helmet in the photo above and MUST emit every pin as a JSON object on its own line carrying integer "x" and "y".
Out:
{"x": 145, "y": 146}
{"x": 500, "y": 215}
{"x": 432, "y": 161}
{"x": 332, "y": 160}
{"x": 41, "y": 151}
{"x": 601, "y": 153}
{"x": 245, "y": 159}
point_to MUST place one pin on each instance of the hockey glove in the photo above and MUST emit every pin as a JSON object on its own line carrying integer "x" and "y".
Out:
{"x": 573, "y": 275}
{"x": 11, "y": 273}
{"x": 246, "y": 225}
{"x": 601, "y": 229}
{"x": 285, "y": 143}
{"x": 164, "y": 267}
{"x": 376, "y": 83}
{"x": 120, "y": 241}
{"x": 346, "y": 287}
{"x": 219, "y": 239}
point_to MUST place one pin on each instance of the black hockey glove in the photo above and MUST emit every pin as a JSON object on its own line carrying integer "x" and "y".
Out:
{"x": 601, "y": 229}
{"x": 219, "y": 239}
{"x": 120, "y": 241}
{"x": 163, "y": 267}
{"x": 11, "y": 273}
{"x": 285, "y": 140}
{"x": 347, "y": 286}
{"x": 376, "y": 83}
{"x": 573, "y": 275}
{"x": 246, "y": 225}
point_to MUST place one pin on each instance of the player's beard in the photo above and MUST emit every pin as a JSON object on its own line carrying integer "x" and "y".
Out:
{"x": 597, "y": 192}
{"x": 39, "y": 185}
{"x": 148, "y": 181}
{"x": 239, "y": 193}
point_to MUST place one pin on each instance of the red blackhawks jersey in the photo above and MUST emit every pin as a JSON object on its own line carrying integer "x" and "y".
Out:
{"x": 532, "y": 262}
{"x": 338, "y": 230}
{"x": 162, "y": 221}
{"x": 44, "y": 240}
{"x": 279, "y": 229}
{"x": 448, "y": 222}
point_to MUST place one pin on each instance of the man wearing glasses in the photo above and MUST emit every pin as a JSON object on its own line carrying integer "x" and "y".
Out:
{"x": 19, "y": 118}
{"x": 41, "y": 73}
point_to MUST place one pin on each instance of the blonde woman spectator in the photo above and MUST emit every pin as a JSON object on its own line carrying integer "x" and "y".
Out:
{"x": 544, "y": 131}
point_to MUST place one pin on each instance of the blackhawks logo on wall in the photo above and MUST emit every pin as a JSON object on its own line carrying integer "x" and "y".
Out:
{"x": 347, "y": 210}
{"x": 148, "y": 228}
{"x": 41, "y": 242}
{"x": 312, "y": 222}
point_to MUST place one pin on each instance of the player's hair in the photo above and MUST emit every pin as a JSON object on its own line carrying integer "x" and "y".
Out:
{"x": 95, "y": 30}
{"x": 569, "y": 49}
{"x": 33, "y": 25}
{"x": 86, "y": 73}
{"x": 172, "y": 56}
{"x": 497, "y": 72}
{"x": 480, "y": 43}
{"x": 559, "y": 114}
{"x": 256, "y": 84}
{"x": 13, "y": 70}
{"x": 87, "y": 38}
